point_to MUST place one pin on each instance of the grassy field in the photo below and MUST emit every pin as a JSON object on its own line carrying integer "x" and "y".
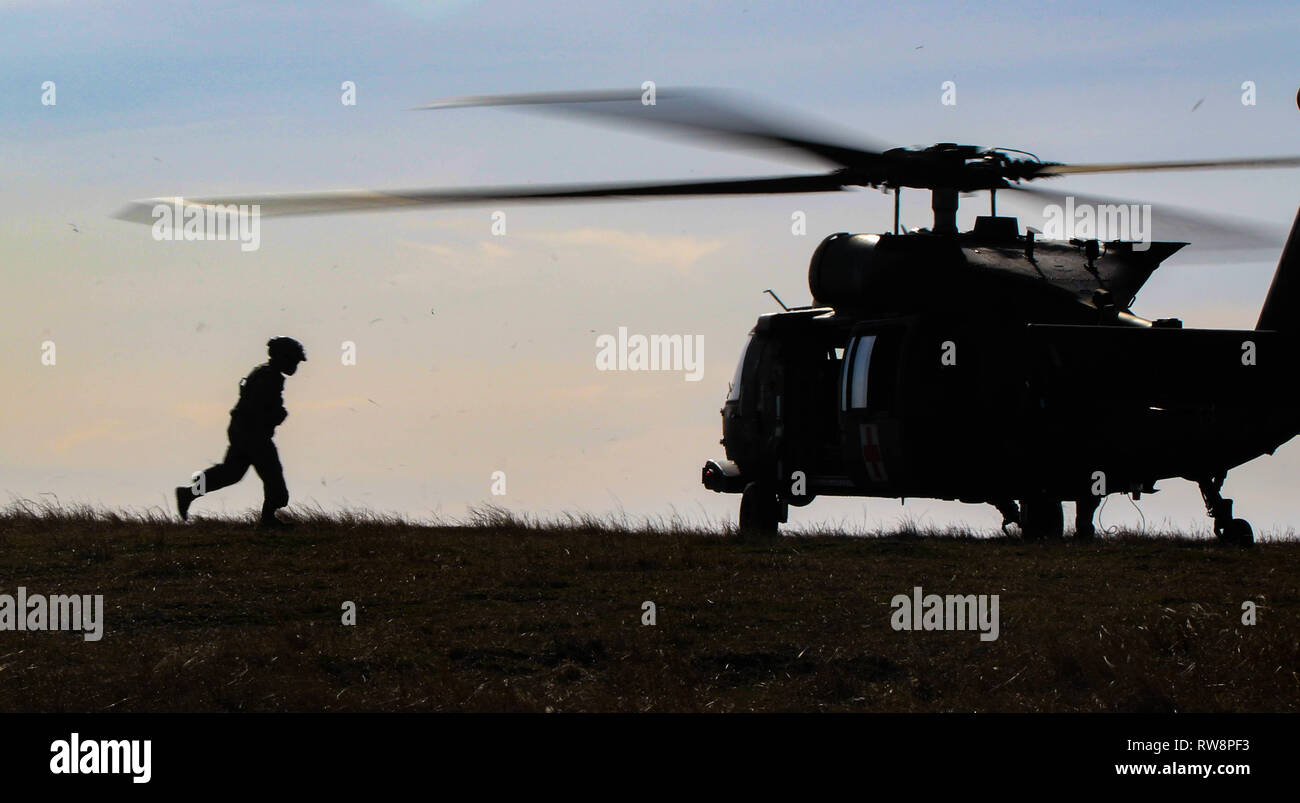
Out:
{"x": 497, "y": 614}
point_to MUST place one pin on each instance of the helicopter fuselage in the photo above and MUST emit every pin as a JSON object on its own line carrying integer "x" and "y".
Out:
{"x": 953, "y": 368}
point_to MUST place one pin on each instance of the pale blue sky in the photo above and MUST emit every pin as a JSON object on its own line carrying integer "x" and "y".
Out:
{"x": 165, "y": 99}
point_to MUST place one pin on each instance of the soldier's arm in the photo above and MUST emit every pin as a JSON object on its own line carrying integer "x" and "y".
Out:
{"x": 266, "y": 396}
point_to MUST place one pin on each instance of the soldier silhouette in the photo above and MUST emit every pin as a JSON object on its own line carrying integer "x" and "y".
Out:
{"x": 253, "y": 420}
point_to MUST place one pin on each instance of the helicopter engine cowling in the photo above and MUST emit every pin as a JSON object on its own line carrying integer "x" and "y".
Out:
{"x": 841, "y": 268}
{"x": 878, "y": 271}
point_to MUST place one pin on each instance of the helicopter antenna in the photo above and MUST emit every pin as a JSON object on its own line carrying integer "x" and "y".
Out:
{"x": 897, "y": 192}
{"x": 778, "y": 299}
{"x": 1033, "y": 156}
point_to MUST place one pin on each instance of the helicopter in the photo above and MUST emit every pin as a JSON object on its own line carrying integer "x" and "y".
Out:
{"x": 987, "y": 366}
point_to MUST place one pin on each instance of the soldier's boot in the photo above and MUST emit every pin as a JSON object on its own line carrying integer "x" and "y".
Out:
{"x": 184, "y": 498}
{"x": 268, "y": 521}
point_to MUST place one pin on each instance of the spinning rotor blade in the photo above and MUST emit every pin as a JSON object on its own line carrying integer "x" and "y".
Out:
{"x": 711, "y": 113}
{"x": 1199, "y": 164}
{"x": 317, "y": 203}
{"x": 718, "y": 115}
{"x": 1167, "y": 223}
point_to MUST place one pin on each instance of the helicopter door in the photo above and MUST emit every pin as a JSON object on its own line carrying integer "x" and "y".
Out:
{"x": 870, "y": 428}
{"x": 857, "y": 372}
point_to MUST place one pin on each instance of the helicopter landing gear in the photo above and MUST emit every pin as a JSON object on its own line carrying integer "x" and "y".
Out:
{"x": 761, "y": 511}
{"x": 1010, "y": 514}
{"x": 1228, "y": 529}
{"x": 1041, "y": 517}
{"x": 1083, "y": 512}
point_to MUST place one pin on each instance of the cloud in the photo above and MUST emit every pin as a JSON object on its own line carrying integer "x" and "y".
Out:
{"x": 109, "y": 429}
{"x": 494, "y": 250}
{"x": 202, "y": 413}
{"x": 575, "y": 394}
{"x": 331, "y": 404}
{"x": 432, "y": 248}
{"x": 681, "y": 252}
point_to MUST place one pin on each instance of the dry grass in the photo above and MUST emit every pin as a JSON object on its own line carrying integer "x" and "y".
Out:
{"x": 502, "y": 613}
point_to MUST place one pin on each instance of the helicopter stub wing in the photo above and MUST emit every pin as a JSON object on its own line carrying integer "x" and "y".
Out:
{"x": 1118, "y": 268}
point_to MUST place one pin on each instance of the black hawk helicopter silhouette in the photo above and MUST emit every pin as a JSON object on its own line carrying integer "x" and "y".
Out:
{"x": 986, "y": 366}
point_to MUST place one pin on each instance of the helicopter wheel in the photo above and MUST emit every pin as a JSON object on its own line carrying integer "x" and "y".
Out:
{"x": 1237, "y": 531}
{"x": 760, "y": 512}
{"x": 1041, "y": 518}
{"x": 1228, "y": 529}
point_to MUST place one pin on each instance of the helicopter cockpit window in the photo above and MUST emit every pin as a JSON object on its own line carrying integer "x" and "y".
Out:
{"x": 853, "y": 392}
{"x": 733, "y": 393}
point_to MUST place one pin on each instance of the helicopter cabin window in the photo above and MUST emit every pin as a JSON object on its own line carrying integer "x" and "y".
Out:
{"x": 733, "y": 392}
{"x": 853, "y": 395}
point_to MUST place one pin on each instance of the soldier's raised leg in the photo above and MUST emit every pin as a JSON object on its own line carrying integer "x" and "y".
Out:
{"x": 229, "y": 471}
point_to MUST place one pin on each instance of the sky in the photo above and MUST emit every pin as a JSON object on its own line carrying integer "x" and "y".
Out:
{"x": 475, "y": 353}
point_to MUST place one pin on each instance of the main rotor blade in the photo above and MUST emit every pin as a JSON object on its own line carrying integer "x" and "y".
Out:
{"x": 1205, "y": 233}
{"x": 319, "y": 203}
{"x": 711, "y": 113}
{"x": 1198, "y": 164}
